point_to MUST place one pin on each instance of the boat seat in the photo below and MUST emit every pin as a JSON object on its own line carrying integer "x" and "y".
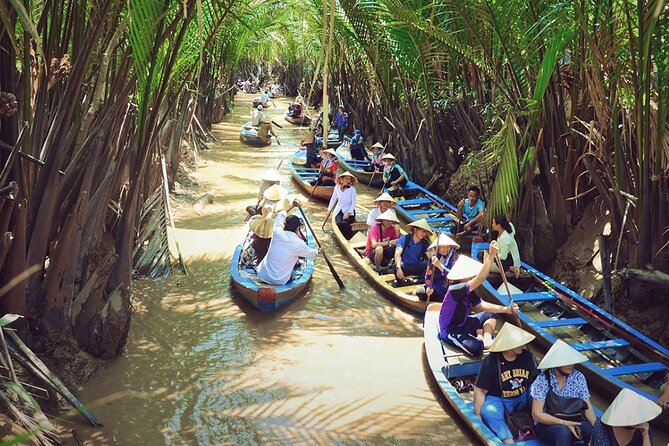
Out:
{"x": 358, "y": 245}
{"x": 414, "y": 202}
{"x": 634, "y": 369}
{"x": 597, "y": 345}
{"x": 543, "y": 296}
{"x": 386, "y": 277}
{"x": 428, "y": 211}
{"x": 553, "y": 323}
{"x": 440, "y": 219}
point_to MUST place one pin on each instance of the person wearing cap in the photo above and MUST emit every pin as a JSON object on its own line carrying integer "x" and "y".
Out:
{"x": 508, "y": 248}
{"x": 626, "y": 420}
{"x": 341, "y": 122}
{"x": 458, "y": 327}
{"x": 327, "y": 170}
{"x": 375, "y": 163}
{"x": 394, "y": 177}
{"x": 342, "y": 203}
{"x": 285, "y": 248}
{"x": 383, "y": 203}
{"x": 560, "y": 377}
{"x": 411, "y": 249}
{"x": 442, "y": 254}
{"x": 472, "y": 208}
{"x": 270, "y": 192}
{"x": 504, "y": 379}
{"x": 382, "y": 239}
{"x": 256, "y": 116}
{"x": 262, "y": 228}
{"x": 357, "y": 146}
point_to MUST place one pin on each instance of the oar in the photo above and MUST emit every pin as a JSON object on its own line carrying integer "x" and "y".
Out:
{"x": 506, "y": 285}
{"x": 320, "y": 169}
{"x": 334, "y": 205}
{"x": 277, "y": 124}
{"x": 332, "y": 270}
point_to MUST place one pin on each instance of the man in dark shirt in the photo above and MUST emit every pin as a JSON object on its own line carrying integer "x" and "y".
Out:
{"x": 457, "y": 326}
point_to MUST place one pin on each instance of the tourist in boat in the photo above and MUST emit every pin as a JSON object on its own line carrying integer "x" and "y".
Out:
{"x": 341, "y": 122}
{"x": 375, "y": 163}
{"x": 382, "y": 240}
{"x": 442, "y": 254}
{"x": 327, "y": 170}
{"x": 270, "y": 192}
{"x": 560, "y": 377}
{"x": 310, "y": 142}
{"x": 285, "y": 248}
{"x": 256, "y": 116}
{"x": 342, "y": 203}
{"x": 383, "y": 203}
{"x": 411, "y": 249}
{"x": 472, "y": 333}
{"x": 264, "y": 98}
{"x": 394, "y": 177}
{"x": 357, "y": 146}
{"x": 506, "y": 243}
{"x": 625, "y": 422}
{"x": 504, "y": 379}
{"x": 472, "y": 208}
{"x": 262, "y": 228}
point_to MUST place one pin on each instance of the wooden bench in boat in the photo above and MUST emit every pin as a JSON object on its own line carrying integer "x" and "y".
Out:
{"x": 553, "y": 323}
{"x": 600, "y": 345}
{"x": 428, "y": 211}
{"x": 634, "y": 369}
{"x": 542, "y": 296}
{"x": 440, "y": 219}
{"x": 414, "y": 202}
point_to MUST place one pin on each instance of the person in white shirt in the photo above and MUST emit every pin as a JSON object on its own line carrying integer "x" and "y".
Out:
{"x": 383, "y": 203}
{"x": 264, "y": 97}
{"x": 343, "y": 203}
{"x": 256, "y": 116}
{"x": 506, "y": 243}
{"x": 285, "y": 248}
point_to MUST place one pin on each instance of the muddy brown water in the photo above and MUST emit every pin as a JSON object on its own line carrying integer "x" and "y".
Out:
{"x": 202, "y": 367}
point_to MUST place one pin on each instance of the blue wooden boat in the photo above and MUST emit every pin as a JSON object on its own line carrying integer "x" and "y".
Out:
{"x": 357, "y": 167}
{"x": 449, "y": 365}
{"x": 249, "y": 135}
{"x": 619, "y": 355}
{"x": 333, "y": 139}
{"x": 303, "y": 175}
{"x": 263, "y": 296}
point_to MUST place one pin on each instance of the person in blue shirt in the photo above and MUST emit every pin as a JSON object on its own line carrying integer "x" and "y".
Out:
{"x": 341, "y": 122}
{"x": 472, "y": 209}
{"x": 357, "y": 147}
{"x": 410, "y": 251}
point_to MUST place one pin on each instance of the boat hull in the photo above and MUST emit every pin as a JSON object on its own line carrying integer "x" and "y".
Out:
{"x": 302, "y": 176}
{"x": 300, "y": 120}
{"x": 249, "y": 135}
{"x": 356, "y": 167}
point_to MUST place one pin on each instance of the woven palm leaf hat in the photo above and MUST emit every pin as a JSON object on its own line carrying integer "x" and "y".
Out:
{"x": 464, "y": 268}
{"x": 510, "y": 337}
{"x": 349, "y": 175}
{"x": 444, "y": 240}
{"x": 330, "y": 151}
{"x": 389, "y": 215}
{"x": 377, "y": 145}
{"x": 561, "y": 354}
{"x": 629, "y": 409}
{"x": 422, "y": 224}
{"x": 262, "y": 227}
{"x": 388, "y": 156}
{"x": 275, "y": 193}
{"x": 385, "y": 197}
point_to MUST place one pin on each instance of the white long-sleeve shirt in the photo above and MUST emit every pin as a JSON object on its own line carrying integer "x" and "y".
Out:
{"x": 345, "y": 200}
{"x": 506, "y": 244}
{"x": 284, "y": 250}
{"x": 256, "y": 116}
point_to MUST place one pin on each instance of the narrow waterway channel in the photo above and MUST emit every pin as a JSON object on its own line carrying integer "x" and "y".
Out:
{"x": 202, "y": 367}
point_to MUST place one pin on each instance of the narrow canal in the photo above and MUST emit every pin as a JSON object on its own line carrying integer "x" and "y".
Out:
{"x": 204, "y": 368}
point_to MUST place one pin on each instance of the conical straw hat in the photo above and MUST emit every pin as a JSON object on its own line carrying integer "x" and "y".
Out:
{"x": 464, "y": 268}
{"x": 385, "y": 197}
{"x": 561, "y": 354}
{"x": 347, "y": 174}
{"x": 275, "y": 193}
{"x": 377, "y": 144}
{"x": 510, "y": 337}
{"x": 422, "y": 224}
{"x": 444, "y": 240}
{"x": 271, "y": 176}
{"x": 282, "y": 205}
{"x": 262, "y": 227}
{"x": 389, "y": 215}
{"x": 629, "y": 409}
{"x": 330, "y": 151}
{"x": 388, "y": 156}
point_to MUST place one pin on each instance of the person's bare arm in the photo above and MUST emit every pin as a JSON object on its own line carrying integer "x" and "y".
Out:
{"x": 480, "y": 277}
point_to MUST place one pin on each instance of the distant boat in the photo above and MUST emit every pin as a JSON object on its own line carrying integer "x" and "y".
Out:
{"x": 249, "y": 135}
{"x": 356, "y": 167}
{"x": 298, "y": 120}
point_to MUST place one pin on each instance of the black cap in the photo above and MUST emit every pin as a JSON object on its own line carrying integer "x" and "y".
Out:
{"x": 292, "y": 223}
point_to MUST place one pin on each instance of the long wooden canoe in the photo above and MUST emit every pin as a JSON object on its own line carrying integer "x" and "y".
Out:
{"x": 357, "y": 167}
{"x": 303, "y": 176}
{"x": 355, "y": 250}
{"x": 619, "y": 355}
{"x": 249, "y": 135}
{"x": 449, "y": 365}
{"x": 263, "y": 296}
{"x": 298, "y": 120}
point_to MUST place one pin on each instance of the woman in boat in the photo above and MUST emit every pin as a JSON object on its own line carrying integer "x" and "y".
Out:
{"x": 442, "y": 254}
{"x": 394, "y": 177}
{"x": 375, "y": 162}
{"x": 625, "y": 422}
{"x": 506, "y": 243}
{"x": 327, "y": 170}
{"x": 357, "y": 147}
{"x": 411, "y": 249}
{"x": 458, "y": 327}
{"x": 382, "y": 240}
{"x": 343, "y": 203}
{"x": 383, "y": 203}
{"x": 504, "y": 379}
{"x": 562, "y": 380}
{"x": 270, "y": 192}
{"x": 262, "y": 228}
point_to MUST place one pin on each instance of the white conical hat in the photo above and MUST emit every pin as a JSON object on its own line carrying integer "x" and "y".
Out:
{"x": 388, "y": 156}
{"x": 330, "y": 151}
{"x": 444, "y": 240}
{"x": 561, "y": 354}
{"x": 385, "y": 197}
{"x": 422, "y": 224}
{"x": 377, "y": 144}
{"x": 275, "y": 193}
{"x": 629, "y": 409}
{"x": 510, "y": 337}
{"x": 389, "y": 215}
{"x": 464, "y": 268}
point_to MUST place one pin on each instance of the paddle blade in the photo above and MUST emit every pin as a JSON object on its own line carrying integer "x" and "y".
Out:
{"x": 334, "y": 273}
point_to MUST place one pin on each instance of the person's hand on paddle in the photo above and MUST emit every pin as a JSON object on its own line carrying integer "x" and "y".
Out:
{"x": 492, "y": 250}
{"x": 512, "y": 309}
{"x": 437, "y": 263}
{"x": 321, "y": 250}
{"x": 296, "y": 203}
{"x": 515, "y": 270}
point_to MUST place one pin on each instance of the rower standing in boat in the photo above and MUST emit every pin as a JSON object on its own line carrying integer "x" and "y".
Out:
{"x": 341, "y": 122}
{"x": 473, "y": 209}
{"x": 442, "y": 254}
{"x": 394, "y": 177}
{"x": 506, "y": 243}
{"x": 285, "y": 248}
{"x": 343, "y": 202}
{"x": 382, "y": 240}
{"x": 626, "y": 420}
{"x": 357, "y": 146}
{"x": 458, "y": 327}
{"x": 410, "y": 253}
{"x": 327, "y": 170}
{"x": 376, "y": 164}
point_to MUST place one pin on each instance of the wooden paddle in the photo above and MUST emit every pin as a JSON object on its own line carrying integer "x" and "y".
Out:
{"x": 506, "y": 285}
{"x": 320, "y": 169}
{"x": 433, "y": 267}
{"x": 332, "y": 270}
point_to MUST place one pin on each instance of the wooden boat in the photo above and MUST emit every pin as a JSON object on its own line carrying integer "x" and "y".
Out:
{"x": 249, "y": 135}
{"x": 355, "y": 250}
{"x": 267, "y": 297}
{"x": 451, "y": 369}
{"x": 256, "y": 103}
{"x": 333, "y": 139}
{"x": 356, "y": 167}
{"x": 619, "y": 355}
{"x": 299, "y": 120}
{"x": 303, "y": 176}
